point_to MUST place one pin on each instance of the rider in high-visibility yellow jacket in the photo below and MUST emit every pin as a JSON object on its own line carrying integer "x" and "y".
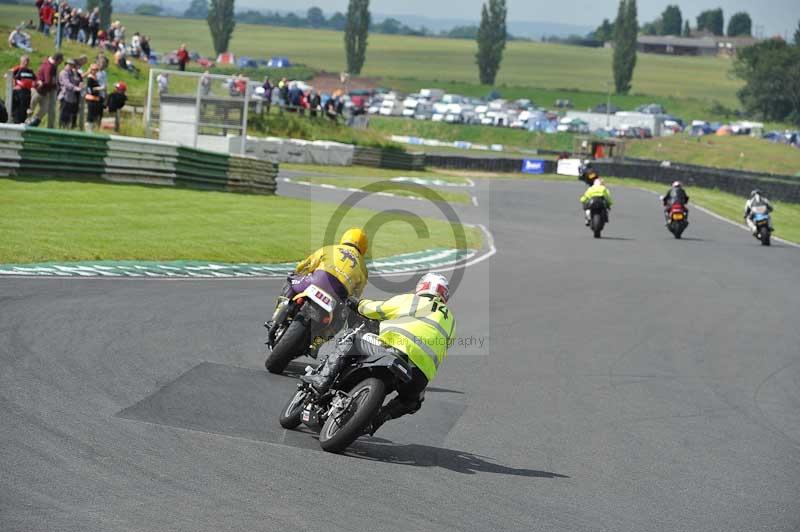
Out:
{"x": 597, "y": 190}
{"x": 418, "y": 327}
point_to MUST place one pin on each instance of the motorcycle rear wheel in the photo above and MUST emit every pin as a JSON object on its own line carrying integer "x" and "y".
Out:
{"x": 763, "y": 235}
{"x": 369, "y": 395}
{"x": 289, "y": 346}
{"x": 597, "y": 224}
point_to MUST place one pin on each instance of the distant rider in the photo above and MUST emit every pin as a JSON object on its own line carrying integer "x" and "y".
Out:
{"x": 757, "y": 200}
{"x": 587, "y": 173}
{"x": 339, "y": 269}
{"x": 676, "y": 194}
{"x": 597, "y": 190}
{"x": 416, "y": 327}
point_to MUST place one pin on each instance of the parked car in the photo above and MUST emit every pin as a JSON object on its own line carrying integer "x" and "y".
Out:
{"x": 279, "y": 62}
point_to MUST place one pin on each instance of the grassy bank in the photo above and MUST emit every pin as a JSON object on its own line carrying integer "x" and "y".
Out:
{"x": 525, "y": 64}
{"x": 53, "y": 220}
{"x": 738, "y": 153}
{"x": 406, "y": 189}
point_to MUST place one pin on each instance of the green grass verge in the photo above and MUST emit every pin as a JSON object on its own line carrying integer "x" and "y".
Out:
{"x": 509, "y": 138}
{"x": 368, "y": 171}
{"x": 291, "y": 125}
{"x": 55, "y": 220}
{"x": 411, "y": 190}
{"x": 738, "y": 153}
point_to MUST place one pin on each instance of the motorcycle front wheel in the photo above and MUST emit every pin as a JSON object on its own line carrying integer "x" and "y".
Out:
{"x": 340, "y": 431}
{"x": 290, "y": 415}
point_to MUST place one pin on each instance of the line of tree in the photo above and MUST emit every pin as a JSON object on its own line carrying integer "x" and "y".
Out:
{"x": 356, "y": 31}
{"x": 492, "y": 37}
{"x": 670, "y": 22}
{"x": 221, "y": 23}
{"x": 626, "y": 30}
{"x": 771, "y": 72}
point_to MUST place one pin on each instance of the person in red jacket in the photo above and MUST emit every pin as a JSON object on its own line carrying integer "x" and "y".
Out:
{"x": 24, "y": 81}
{"x": 46, "y": 14}
{"x": 46, "y": 83}
{"x": 183, "y": 57}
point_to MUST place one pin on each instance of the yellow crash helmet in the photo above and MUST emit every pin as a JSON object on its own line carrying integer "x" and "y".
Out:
{"x": 356, "y": 238}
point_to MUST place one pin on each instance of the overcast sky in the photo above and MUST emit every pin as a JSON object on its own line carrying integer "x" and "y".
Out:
{"x": 775, "y": 16}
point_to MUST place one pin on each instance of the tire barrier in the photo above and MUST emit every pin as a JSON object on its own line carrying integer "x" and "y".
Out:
{"x": 48, "y": 153}
{"x": 394, "y": 159}
{"x": 323, "y": 153}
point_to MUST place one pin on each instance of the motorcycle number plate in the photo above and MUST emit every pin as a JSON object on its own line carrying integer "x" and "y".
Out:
{"x": 321, "y": 297}
{"x": 677, "y": 216}
{"x": 306, "y": 416}
{"x": 759, "y": 209}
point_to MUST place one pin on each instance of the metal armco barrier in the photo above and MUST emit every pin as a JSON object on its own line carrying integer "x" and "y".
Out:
{"x": 779, "y": 187}
{"x": 39, "y": 152}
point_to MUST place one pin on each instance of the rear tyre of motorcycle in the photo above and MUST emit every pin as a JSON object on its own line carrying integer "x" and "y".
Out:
{"x": 335, "y": 439}
{"x": 677, "y": 229}
{"x": 597, "y": 224}
{"x": 290, "y": 415}
{"x": 288, "y": 347}
{"x": 763, "y": 235}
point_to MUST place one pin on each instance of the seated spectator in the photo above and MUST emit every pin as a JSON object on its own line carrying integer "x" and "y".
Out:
{"x": 20, "y": 39}
{"x": 144, "y": 44}
{"x": 121, "y": 61}
{"x": 136, "y": 43}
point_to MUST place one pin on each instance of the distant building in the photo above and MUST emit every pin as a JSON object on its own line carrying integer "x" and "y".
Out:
{"x": 706, "y": 45}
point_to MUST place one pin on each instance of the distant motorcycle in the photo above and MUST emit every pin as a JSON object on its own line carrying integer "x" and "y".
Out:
{"x": 678, "y": 219}
{"x": 761, "y": 218}
{"x": 312, "y": 317}
{"x": 347, "y": 410}
{"x": 598, "y": 215}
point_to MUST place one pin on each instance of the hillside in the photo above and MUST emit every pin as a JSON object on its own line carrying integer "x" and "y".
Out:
{"x": 526, "y": 64}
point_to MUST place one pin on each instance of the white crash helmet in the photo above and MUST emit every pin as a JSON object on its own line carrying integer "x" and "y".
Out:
{"x": 433, "y": 284}
{"x": 677, "y": 184}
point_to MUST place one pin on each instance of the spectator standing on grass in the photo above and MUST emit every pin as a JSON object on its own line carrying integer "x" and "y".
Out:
{"x": 163, "y": 83}
{"x": 46, "y": 15}
{"x": 205, "y": 83}
{"x": 144, "y": 44}
{"x": 69, "y": 91}
{"x": 24, "y": 80}
{"x": 267, "y": 86}
{"x": 94, "y": 99}
{"x": 315, "y": 103}
{"x": 118, "y": 98}
{"x": 276, "y": 96}
{"x": 283, "y": 86}
{"x": 39, "y": 4}
{"x": 46, "y": 83}
{"x": 102, "y": 74}
{"x": 94, "y": 26}
{"x": 136, "y": 45}
{"x": 183, "y": 57}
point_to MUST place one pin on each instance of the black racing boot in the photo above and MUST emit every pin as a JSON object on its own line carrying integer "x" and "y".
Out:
{"x": 392, "y": 410}
{"x": 322, "y": 380}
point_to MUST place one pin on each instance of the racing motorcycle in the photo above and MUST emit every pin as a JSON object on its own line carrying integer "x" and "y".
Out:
{"x": 761, "y": 218}
{"x": 311, "y": 318}
{"x": 348, "y": 409}
{"x": 678, "y": 219}
{"x": 598, "y": 215}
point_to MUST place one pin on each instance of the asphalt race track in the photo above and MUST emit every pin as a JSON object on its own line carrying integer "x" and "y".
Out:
{"x": 635, "y": 383}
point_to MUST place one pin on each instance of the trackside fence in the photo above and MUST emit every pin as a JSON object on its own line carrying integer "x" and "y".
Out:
{"x": 39, "y": 152}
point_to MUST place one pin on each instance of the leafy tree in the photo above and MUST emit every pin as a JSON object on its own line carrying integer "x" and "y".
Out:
{"x": 337, "y": 21}
{"x": 221, "y": 22}
{"x": 356, "y": 31}
{"x": 492, "y": 36}
{"x": 797, "y": 35}
{"x": 315, "y": 17}
{"x": 711, "y": 20}
{"x": 671, "y": 20}
{"x": 197, "y": 9}
{"x": 625, "y": 33}
{"x": 653, "y": 28}
{"x": 293, "y": 21}
{"x": 105, "y": 11}
{"x": 740, "y": 25}
{"x": 390, "y": 26}
{"x": 771, "y": 71}
{"x": 605, "y": 31}
{"x": 463, "y": 32}
{"x": 148, "y": 10}
{"x": 687, "y": 31}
